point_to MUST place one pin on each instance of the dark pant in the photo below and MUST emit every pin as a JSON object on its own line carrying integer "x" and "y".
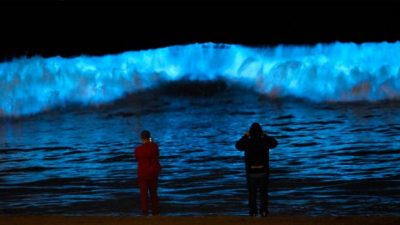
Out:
{"x": 149, "y": 186}
{"x": 257, "y": 183}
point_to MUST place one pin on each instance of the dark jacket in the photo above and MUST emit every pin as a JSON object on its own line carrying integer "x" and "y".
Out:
{"x": 256, "y": 152}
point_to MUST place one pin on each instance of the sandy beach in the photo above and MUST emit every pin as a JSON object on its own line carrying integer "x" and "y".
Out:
{"x": 220, "y": 220}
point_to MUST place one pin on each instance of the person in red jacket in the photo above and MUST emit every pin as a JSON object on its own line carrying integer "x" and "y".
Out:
{"x": 148, "y": 172}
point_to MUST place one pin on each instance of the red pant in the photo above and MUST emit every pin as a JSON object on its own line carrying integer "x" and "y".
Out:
{"x": 146, "y": 186}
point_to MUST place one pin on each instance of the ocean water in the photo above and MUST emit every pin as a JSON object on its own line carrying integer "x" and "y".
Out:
{"x": 68, "y": 128}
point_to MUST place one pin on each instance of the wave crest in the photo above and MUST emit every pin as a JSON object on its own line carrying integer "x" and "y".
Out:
{"x": 324, "y": 72}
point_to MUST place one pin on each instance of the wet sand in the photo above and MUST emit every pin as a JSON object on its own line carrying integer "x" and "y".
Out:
{"x": 181, "y": 220}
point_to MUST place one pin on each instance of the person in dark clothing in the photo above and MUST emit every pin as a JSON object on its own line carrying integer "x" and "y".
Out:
{"x": 256, "y": 144}
{"x": 148, "y": 172}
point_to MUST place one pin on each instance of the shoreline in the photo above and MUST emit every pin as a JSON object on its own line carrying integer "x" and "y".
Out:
{"x": 181, "y": 220}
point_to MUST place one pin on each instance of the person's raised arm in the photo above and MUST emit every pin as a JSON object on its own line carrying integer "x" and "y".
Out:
{"x": 272, "y": 142}
{"x": 242, "y": 143}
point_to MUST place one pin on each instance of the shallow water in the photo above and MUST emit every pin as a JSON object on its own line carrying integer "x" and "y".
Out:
{"x": 333, "y": 158}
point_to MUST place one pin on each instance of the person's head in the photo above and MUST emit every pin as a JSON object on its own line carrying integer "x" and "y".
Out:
{"x": 255, "y": 130}
{"x": 145, "y": 135}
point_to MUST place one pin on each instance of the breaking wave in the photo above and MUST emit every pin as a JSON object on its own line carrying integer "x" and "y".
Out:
{"x": 338, "y": 72}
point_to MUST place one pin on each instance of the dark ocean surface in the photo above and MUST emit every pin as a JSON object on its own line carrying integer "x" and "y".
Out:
{"x": 68, "y": 128}
{"x": 333, "y": 158}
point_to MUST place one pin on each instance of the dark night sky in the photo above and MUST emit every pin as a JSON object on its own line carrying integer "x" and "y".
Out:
{"x": 71, "y": 28}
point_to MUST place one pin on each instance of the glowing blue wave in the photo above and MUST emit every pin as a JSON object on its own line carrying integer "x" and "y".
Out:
{"x": 324, "y": 72}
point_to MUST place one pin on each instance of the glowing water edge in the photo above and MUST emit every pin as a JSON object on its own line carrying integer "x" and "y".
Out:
{"x": 68, "y": 127}
{"x": 334, "y": 72}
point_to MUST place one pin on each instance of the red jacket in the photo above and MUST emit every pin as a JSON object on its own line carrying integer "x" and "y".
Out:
{"x": 147, "y": 158}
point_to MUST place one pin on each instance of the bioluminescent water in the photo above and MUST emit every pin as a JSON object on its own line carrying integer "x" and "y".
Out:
{"x": 340, "y": 72}
{"x": 68, "y": 128}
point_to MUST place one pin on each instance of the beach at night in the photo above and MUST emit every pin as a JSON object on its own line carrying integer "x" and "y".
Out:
{"x": 74, "y": 98}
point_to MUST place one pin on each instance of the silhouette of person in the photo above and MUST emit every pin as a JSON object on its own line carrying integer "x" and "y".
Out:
{"x": 256, "y": 144}
{"x": 148, "y": 172}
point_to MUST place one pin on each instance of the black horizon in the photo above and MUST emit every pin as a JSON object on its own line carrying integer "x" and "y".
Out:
{"x": 72, "y": 28}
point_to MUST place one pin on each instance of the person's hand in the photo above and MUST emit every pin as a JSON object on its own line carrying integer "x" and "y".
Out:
{"x": 247, "y": 134}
